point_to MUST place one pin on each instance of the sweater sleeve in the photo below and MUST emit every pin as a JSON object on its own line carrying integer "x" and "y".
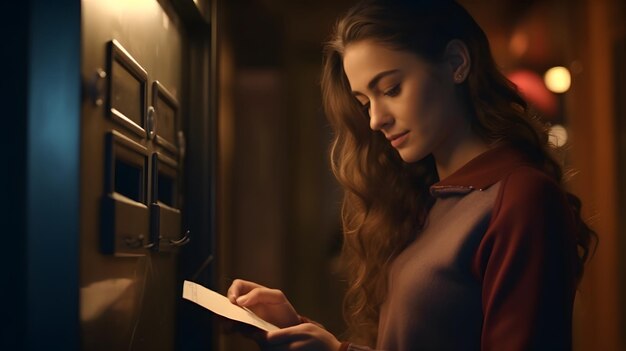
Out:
{"x": 346, "y": 346}
{"x": 525, "y": 262}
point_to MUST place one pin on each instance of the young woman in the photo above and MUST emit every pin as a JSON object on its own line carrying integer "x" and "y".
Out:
{"x": 458, "y": 234}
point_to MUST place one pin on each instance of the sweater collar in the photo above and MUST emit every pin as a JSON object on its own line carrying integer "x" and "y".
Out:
{"x": 481, "y": 172}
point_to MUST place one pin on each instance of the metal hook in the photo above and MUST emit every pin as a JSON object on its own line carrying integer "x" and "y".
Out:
{"x": 151, "y": 123}
{"x": 182, "y": 241}
{"x": 96, "y": 87}
{"x": 137, "y": 243}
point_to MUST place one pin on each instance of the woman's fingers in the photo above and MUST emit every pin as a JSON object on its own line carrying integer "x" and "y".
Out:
{"x": 269, "y": 304}
{"x": 285, "y": 335}
{"x": 240, "y": 287}
{"x": 302, "y": 337}
{"x": 245, "y": 293}
{"x": 262, "y": 296}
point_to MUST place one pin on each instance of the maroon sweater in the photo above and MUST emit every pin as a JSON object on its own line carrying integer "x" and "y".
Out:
{"x": 493, "y": 268}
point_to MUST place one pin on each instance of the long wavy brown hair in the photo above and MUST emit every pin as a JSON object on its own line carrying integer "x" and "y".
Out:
{"x": 385, "y": 199}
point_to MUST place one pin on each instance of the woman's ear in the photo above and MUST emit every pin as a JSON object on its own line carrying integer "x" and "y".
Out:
{"x": 457, "y": 58}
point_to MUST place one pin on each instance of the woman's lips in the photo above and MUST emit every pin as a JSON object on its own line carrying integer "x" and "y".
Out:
{"x": 398, "y": 140}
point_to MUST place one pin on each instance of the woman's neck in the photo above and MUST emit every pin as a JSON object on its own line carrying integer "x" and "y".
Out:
{"x": 459, "y": 151}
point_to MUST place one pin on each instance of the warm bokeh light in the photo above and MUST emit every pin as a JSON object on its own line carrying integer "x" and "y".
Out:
{"x": 558, "y": 79}
{"x": 519, "y": 43}
{"x": 533, "y": 89}
{"x": 557, "y": 135}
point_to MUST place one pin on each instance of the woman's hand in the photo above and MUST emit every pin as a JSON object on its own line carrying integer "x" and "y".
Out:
{"x": 302, "y": 337}
{"x": 269, "y": 304}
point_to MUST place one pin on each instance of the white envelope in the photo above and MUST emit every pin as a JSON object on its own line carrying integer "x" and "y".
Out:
{"x": 220, "y": 304}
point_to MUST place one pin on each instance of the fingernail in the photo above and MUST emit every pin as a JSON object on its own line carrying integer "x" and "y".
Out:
{"x": 241, "y": 300}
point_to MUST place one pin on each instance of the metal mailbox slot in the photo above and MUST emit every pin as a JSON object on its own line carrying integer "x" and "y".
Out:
{"x": 165, "y": 215}
{"x": 125, "y": 217}
{"x": 166, "y": 119}
{"x": 127, "y": 89}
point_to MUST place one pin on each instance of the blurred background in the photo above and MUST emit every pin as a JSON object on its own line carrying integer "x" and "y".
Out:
{"x": 151, "y": 141}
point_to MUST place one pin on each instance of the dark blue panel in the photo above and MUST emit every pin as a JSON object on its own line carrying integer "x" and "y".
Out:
{"x": 53, "y": 175}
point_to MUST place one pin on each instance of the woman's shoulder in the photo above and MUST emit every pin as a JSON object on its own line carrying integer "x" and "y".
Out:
{"x": 529, "y": 190}
{"x": 528, "y": 180}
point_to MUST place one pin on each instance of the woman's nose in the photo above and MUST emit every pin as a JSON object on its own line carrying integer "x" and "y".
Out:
{"x": 379, "y": 116}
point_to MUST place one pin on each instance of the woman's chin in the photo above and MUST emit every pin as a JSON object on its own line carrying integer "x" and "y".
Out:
{"x": 411, "y": 156}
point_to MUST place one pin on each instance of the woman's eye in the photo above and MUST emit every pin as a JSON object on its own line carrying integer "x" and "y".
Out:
{"x": 394, "y": 91}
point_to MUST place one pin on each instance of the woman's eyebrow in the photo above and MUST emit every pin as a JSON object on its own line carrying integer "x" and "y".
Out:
{"x": 375, "y": 80}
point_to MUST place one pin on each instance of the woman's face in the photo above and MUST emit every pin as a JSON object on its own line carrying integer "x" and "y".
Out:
{"x": 412, "y": 102}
